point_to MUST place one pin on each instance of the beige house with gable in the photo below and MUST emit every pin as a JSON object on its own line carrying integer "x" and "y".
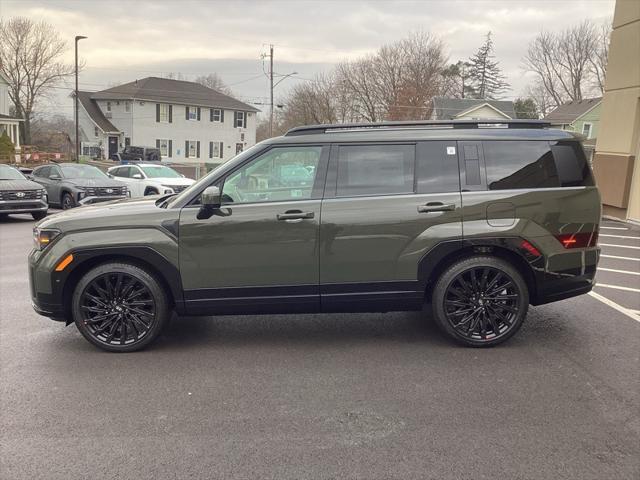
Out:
{"x": 8, "y": 124}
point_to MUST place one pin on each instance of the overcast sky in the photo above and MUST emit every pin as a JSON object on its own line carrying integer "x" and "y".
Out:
{"x": 138, "y": 38}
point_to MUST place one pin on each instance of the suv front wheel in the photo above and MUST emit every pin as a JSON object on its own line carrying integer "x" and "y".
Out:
{"x": 480, "y": 301}
{"x": 119, "y": 307}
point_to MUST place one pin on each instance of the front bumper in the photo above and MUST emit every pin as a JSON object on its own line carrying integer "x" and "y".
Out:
{"x": 99, "y": 199}
{"x": 23, "y": 206}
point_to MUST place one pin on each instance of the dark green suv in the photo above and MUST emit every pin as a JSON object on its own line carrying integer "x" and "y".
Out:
{"x": 476, "y": 220}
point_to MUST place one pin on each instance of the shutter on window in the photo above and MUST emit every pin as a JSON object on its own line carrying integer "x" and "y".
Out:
{"x": 198, "y": 149}
{"x": 170, "y": 113}
{"x": 157, "y": 112}
{"x": 186, "y": 149}
{"x": 186, "y": 113}
{"x": 210, "y": 149}
{"x": 211, "y": 114}
{"x": 199, "y": 113}
{"x": 221, "y": 150}
{"x": 244, "y": 120}
{"x": 235, "y": 119}
{"x": 222, "y": 115}
{"x": 170, "y": 147}
{"x": 157, "y": 143}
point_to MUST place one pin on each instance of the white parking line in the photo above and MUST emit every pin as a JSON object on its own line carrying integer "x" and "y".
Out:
{"x": 618, "y": 246}
{"x": 617, "y": 271}
{"x": 614, "y": 305}
{"x": 617, "y": 287}
{"x": 614, "y": 228}
{"x": 620, "y": 258}
{"x": 619, "y": 236}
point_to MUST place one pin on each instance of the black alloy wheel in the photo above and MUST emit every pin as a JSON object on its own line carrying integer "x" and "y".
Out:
{"x": 119, "y": 307}
{"x": 481, "y": 302}
{"x": 67, "y": 201}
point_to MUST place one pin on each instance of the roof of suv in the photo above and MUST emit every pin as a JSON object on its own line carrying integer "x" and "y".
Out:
{"x": 425, "y": 130}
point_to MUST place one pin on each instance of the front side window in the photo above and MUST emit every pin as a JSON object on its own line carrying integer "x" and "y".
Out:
{"x": 281, "y": 174}
{"x": 519, "y": 164}
{"x": 375, "y": 170}
{"x": 164, "y": 112}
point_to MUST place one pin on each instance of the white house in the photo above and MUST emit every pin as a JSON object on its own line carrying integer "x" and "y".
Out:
{"x": 189, "y": 122}
{"x": 8, "y": 124}
{"x": 472, "y": 109}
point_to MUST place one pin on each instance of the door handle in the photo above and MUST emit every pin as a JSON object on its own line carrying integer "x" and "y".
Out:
{"x": 436, "y": 207}
{"x": 295, "y": 215}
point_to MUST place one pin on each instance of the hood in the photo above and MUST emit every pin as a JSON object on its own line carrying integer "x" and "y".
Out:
{"x": 24, "y": 185}
{"x": 137, "y": 212}
{"x": 94, "y": 182}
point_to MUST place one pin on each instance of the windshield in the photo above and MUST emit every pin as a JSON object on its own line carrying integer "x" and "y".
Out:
{"x": 160, "y": 171}
{"x": 10, "y": 173}
{"x": 82, "y": 171}
{"x": 207, "y": 178}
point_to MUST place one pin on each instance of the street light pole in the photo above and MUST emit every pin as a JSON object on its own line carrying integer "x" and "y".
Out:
{"x": 271, "y": 90}
{"x": 78, "y": 38}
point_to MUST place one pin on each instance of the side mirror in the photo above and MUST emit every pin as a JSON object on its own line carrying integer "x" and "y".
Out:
{"x": 137, "y": 175}
{"x": 55, "y": 177}
{"x": 211, "y": 198}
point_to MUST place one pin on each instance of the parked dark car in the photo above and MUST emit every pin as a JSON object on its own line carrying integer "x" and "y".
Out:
{"x": 476, "y": 220}
{"x": 20, "y": 195}
{"x": 71, "y": 184}
{"x": 137, "y": 154}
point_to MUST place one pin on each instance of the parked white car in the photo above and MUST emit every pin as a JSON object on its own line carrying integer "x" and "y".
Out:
{"x": 150, "y": 179}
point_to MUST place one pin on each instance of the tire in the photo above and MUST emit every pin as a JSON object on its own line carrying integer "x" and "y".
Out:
{"x": 150, "y": 191}
{"x": 67, "y": 201}
{"x": 119, "y": 307}
{"x": 38, "y": 215}
{"x": 478, "y": 310}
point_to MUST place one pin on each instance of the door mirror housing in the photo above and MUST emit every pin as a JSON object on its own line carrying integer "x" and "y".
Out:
{"x": 55, "y": 176}
{"x": 138, "y": 176}
{"x": 211, "y": 198}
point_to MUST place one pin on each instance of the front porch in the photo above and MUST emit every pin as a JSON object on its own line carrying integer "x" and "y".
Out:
{"x": 11, "y": 126}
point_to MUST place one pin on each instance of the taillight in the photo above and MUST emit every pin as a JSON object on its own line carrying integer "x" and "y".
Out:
{"x": 578, "y": 240}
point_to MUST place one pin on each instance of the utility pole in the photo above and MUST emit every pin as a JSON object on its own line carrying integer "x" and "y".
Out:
{"x": 271, "y": 91}
{"x": 75, "y": 109}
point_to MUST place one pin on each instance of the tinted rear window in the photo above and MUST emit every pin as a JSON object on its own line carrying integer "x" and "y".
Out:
{"x": 519, "y": 164}
{"x": 571, "y": 163}
{"x": 375, "y": 170}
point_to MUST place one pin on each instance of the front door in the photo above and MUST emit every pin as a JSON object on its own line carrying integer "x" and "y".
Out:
{"x": 386, "y": 206}
{"x": 113, "y": 146}
{"x": 259, "y": 252}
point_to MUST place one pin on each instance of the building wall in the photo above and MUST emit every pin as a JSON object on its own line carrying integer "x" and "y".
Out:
{"x": 141, "y": 127}
{"x": 482, "y": 113}
{"x": 4, "y": 97}
{"x": 592, "y": 117}
{"x": 616, "y": 163}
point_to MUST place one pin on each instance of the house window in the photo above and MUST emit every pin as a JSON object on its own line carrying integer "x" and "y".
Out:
{"x": 127, "y": 107}
{"x": 239, "y": 148}
{"x": 96, "y": 132}
{"x": 164, "y": 112}
{"x": 215, "y": 149}
{"x": 127, "y": 141}
{"x": 192, "y": 113}
{"x": 191, "y": 150}
{"x": 586, "y": 129}
{"x": 241, "y": 121}
{"x": 242, "y": 137}
{"x": 163, "y": 144}
{"x": 108, "y": 106}
{"x": 216, "y": 115}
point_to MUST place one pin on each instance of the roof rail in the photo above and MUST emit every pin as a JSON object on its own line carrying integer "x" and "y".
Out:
{"x": 417, "y": 124}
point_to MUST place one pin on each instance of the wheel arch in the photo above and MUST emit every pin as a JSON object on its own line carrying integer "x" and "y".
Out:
{"x": 443, "y": 255}
{"x": 143, "y": 257}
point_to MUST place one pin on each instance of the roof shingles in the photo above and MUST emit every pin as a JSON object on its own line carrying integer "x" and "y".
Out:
{"x": 569, "y": 112}
{"x": 450, "y": 108}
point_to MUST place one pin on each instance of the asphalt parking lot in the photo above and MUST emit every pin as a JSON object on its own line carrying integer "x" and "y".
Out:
{"x": 369, "y": 396}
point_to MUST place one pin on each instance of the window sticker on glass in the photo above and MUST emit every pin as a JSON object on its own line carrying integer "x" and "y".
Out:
{"x": 451, "y": 150}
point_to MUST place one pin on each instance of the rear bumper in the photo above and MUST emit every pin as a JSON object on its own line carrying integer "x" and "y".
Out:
{"x": 23, "y": 206}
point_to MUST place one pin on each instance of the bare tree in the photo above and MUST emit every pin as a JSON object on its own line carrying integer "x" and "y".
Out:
{"x": 215, "y": 82}
{"x": 30, "y": 58}
{"x": 540, "y": 96}
{"x": 564, "y": 62}
{"x": 598, "y": 61}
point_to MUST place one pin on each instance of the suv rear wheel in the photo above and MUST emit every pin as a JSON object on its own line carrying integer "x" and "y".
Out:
{"x": 119, "y": 307}
{"x": 480, "y": 301}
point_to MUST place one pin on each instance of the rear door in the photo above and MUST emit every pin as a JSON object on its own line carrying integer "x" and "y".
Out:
{"x": 385, "y": 206}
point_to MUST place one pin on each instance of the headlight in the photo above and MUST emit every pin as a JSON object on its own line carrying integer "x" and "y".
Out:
{"x": 43, "y": 237}
{"x": 127, "y": 192}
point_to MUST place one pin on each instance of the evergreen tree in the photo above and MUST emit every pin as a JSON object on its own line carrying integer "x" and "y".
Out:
{"x": 6, "y": 145}
{"x": 484, "y": 73}
{"x": 525, "y": 108}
